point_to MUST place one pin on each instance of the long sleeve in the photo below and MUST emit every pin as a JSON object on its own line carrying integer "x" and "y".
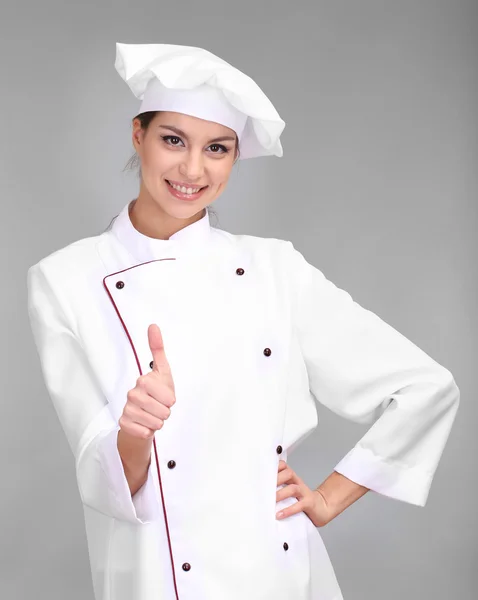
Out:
{"x": 83, "y": 410}
{"x": 364, "y": 370}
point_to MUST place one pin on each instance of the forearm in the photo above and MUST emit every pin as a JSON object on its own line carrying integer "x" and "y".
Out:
{"x": 340, "y": 492}
{"x": 135, "y": 455}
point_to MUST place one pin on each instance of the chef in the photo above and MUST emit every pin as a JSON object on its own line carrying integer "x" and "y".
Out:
{"x": 185, "y": 363}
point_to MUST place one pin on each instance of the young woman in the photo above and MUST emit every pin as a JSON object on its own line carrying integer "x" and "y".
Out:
{"x": 185, "y": 362}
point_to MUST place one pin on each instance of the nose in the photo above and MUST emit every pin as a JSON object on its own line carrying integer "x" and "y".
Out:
{"x": 192, "y": 167}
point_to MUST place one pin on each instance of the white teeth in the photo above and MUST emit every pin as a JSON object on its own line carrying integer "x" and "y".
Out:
{"x": 183, "y": 189}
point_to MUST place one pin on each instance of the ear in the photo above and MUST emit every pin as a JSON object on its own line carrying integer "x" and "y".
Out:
{"x": 137, "y": 135}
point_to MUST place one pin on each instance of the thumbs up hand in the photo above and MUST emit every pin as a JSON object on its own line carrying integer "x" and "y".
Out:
{"x": 149, "y": 403}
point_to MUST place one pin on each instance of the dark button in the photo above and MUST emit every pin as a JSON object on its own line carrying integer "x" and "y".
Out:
{"x": 171, "y": 464}
{"x": 186, "y": 566}
{"x": 267, "y": 351}
{"x": 240, "y": 271}
{"x": 120, "y": 284}
{"x": 286, "y": 546}
{"x": 279, "y": 449}
{"x": 151, "y": 365}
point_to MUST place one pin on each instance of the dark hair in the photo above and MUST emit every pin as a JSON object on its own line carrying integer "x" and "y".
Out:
{"x": 145, "y": 120}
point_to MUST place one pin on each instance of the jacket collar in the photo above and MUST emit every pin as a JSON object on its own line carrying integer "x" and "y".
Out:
{"x": 193, "y": 238}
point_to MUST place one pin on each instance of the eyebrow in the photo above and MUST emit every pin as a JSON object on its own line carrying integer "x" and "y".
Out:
{"x": 180, "y": 132}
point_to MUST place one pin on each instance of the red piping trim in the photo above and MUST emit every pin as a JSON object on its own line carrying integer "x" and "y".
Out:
{"x": 154, "y": 439}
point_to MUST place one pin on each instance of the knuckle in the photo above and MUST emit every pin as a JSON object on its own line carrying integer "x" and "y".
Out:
{"x": 169, "y": 398}
{"x": 132, "y": 396}
{"x": 136, "y": 399}
{"x": 141, "y": 382}
{"x": 145, "y": 433}
{"x": 163, "y": 398}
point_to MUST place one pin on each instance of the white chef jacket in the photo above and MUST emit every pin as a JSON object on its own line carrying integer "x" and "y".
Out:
{"x": 255, "y": 335}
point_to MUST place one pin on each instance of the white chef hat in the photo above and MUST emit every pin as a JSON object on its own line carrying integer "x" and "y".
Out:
{"x": 195, "y": 82}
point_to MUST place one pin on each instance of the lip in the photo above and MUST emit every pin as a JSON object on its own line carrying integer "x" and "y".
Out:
{"x": 182, "y": 196}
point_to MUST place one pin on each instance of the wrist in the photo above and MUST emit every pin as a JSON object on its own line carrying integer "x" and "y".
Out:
{"x": 339, "y": 492}
{"x": 135, "y": 452}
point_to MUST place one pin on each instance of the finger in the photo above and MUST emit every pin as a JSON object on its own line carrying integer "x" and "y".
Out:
{"x": 282, "y": 465}
{"x": 148, "y": 421}
{"x": 154, "y": 396}
{"x": 136, "y": 430}
{"x": 289, "y": 491}
{"x": 286, "y": 476}
{"x": 145, "y": 408}
{"x": 295, "y": 508}
{"x": 156, "y": 345}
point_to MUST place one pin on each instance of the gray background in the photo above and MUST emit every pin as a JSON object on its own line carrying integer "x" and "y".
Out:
{"x": 377, "y": 187}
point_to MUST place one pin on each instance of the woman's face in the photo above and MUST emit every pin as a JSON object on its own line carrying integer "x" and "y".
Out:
{"x": 187, "y": 151}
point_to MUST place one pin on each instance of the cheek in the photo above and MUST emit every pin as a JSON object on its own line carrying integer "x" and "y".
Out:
{"x": 156, "y": 159}
{"x": 223, "y": 171}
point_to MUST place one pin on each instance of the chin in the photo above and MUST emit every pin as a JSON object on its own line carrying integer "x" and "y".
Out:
{"x": 179, "y": 210}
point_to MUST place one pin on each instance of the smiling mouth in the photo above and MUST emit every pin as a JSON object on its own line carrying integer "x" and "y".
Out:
{"x": 189, "y": 186}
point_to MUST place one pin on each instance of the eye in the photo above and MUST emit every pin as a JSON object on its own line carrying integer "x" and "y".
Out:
{"x": 223, "y": 148}
{"x": 169, "y": 140}
{"x": 170, "y": 137}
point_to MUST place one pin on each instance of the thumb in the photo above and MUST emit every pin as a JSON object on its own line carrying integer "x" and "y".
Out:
{"x": 156, "y": 345}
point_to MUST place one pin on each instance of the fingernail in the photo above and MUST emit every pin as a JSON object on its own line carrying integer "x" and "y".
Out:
{"x": 280, "y": 514}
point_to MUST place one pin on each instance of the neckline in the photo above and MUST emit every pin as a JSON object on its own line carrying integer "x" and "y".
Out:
{"x": 189, "y": 240}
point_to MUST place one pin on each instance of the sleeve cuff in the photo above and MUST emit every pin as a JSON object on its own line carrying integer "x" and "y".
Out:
{"x": 143, "y": 507}
{"x": 397, "y": 481}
